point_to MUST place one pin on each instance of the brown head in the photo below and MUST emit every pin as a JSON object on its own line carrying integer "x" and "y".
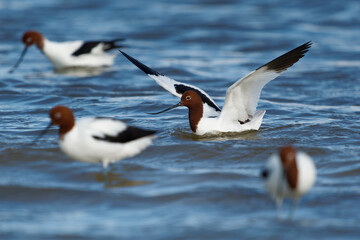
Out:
{"x": 64, "y": 117}
{"x": 191, "y": 99}
{"x": 288, "y": 161}
{"x": 33, "y": 37}
{"x": 29, "y": 38}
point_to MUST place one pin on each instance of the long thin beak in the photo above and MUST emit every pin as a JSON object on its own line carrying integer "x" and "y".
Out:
{"x": 42, "y": 133}
{"x": 175, "y": 106}
{"x": 19, "y": 61}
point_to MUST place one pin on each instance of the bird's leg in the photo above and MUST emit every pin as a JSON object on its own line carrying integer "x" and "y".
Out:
{"x": 105, "y": 171}
{"x": 280, "y": 194}
{"x": 293, "y": 208}
{"x": 279, "y": 201}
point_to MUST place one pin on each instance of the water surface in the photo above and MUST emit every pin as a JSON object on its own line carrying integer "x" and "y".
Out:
{"x": 183, "y": 186}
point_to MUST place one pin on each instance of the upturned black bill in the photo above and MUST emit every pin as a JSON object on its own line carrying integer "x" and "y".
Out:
{"x": 165, "y": 110}
{"x": 19, "y": 61}
{"x": 42, "y": 133}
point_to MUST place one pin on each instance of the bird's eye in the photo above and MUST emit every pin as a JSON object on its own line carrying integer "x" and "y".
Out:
{"x": 29, "y": 39}
{"x": 188, "y": 97}
{"x": 57, "y": 115}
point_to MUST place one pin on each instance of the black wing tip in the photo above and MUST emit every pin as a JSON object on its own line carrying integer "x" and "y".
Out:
{"x": 134, "y": 133}
{"x": 147, "y": 132}
{"x": 288, "y": 59}
{"x": 140, "y": 65}
{"x": 140, "y": 131}
{"x": 305, "y": 47}
{"x": 128, "y": 135}
{"x": 308, "y": 44}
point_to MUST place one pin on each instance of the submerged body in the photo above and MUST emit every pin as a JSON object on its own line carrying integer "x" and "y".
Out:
{"x": 239, "y": 112}
{"x": 215, "y": 125}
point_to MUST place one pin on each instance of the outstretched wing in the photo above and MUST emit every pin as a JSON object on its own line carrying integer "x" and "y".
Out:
{"x": 97, "y": 46}
{"x": 242, "y": 97}
{"x": 177, "y": 88}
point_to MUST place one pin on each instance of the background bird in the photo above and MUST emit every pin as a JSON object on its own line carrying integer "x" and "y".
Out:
{"x": 71, "y": 53}
{"x": 289, "y": 174}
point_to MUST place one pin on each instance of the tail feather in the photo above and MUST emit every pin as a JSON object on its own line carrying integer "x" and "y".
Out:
{"x": 108, "y": 45}
{"x": 257, "y": 119}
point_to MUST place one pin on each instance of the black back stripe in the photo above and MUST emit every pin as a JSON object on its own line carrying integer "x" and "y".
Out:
{"x": 143, "y": 67}
{"x": 288, "y": 59}
{"x": 128, "y": 135}
{"x": 87, "y": 47}
{"x": 180, "y": 88}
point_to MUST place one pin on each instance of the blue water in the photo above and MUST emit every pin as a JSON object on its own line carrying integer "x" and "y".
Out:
{"x": 183, "y": 186}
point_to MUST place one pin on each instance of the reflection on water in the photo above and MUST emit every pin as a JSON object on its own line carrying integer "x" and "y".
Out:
{"x": 247, "y": 135}
{"x": 82, "y": 71}
{"x": 115, "y": 180}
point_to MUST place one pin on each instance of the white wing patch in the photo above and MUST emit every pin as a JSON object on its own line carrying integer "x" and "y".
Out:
{"x": 243, "y": 96}
{"x": 167, "y": 83}
{"x": 178, "y": 88}
{"x": 98, "y": 50}
{"x": 103, "y": 126}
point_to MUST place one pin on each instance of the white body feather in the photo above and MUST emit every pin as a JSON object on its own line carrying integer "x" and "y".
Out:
{"x": 60, "y": 54}
{"x": 79, "y": 143}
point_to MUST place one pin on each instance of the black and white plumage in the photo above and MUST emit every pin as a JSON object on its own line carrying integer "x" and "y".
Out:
{"x": 178, "y": 88}
{"x": 239, "y": 111}
{"x": 71, "y": 53}
{"x": 90, "y": 46}
{"x": 289, "y": 174}
{"x": 98, "y": 140}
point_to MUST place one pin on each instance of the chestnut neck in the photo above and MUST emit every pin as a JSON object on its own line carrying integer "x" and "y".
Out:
{"x": 288, "y": 160}
{"x": 65, "y": 127}
{"x": 40, "y": 44}
{"x": 195, "y": 115}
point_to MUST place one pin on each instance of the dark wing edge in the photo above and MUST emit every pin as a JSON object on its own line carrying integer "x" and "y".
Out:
{"x": 89, "y": 45}
{"x": 179, "y": 88}
{"x": 288, "y": 59}
{"x": 128, "y": 135}
{"x": 142, "y": 67}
